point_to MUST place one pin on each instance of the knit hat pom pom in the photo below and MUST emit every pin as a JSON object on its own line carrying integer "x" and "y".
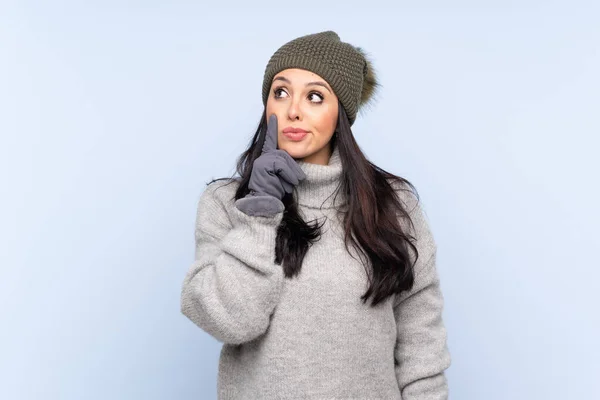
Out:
{"x": 370, "y": 83}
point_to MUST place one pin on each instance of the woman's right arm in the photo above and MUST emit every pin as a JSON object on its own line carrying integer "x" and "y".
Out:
{"x": 233, "y": 286}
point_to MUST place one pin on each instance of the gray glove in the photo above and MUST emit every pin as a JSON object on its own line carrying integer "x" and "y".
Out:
{"x": 274, "y": 173}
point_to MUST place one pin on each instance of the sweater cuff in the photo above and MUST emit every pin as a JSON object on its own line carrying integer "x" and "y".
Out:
{"x": 252, "y": 239}
{"x": 260, "y": 206}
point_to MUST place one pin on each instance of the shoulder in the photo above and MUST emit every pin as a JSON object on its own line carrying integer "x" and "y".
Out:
{"x": 216, "y": 202}
{"x": 414, "y": 220}
{"x": 406, "y": 193}
{"x": 409, "y": 198}
{"x": 220, "y": 191}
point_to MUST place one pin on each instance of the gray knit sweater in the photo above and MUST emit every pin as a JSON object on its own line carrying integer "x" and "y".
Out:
{"x": 311, "y": 337}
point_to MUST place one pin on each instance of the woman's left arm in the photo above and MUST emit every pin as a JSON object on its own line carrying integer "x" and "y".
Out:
{"x": 421, "y": 353}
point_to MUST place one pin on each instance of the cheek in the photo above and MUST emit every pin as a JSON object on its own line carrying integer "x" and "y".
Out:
{"x": 327, "y": 120}
{"x": 269, "y": 107}
{"x": 273, "y": 108}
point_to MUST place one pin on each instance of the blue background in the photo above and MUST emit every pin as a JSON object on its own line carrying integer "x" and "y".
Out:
{"x": 113, "y": 116}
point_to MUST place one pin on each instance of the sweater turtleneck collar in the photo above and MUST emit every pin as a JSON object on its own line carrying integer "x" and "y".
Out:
{"x": 318, "y": 190}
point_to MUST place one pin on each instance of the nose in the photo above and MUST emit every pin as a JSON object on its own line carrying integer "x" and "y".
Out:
{"x": 294, "y": 112}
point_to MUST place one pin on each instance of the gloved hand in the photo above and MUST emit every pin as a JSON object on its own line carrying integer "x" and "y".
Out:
{"x": 274, "y": 173}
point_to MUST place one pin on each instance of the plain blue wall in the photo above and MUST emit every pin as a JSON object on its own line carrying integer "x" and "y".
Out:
{"x": 114, "y": 116}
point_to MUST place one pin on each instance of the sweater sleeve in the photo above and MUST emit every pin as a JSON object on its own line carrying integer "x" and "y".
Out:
{"x": 421, "y": 351}
{"x": 232, "y": 287}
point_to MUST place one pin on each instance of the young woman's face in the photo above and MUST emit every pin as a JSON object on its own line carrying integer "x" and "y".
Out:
{"x": 302, "y": 99}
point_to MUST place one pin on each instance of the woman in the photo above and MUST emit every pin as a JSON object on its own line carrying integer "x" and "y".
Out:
{"x": 289, "y": 254}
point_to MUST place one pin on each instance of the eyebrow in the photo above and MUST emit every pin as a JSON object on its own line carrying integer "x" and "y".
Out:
{"x": 318, "y": 83}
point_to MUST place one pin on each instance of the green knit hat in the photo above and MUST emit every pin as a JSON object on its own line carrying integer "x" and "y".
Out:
{"x": 344, "y": 66}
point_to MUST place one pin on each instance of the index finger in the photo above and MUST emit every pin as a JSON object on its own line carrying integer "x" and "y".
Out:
{"x": 271, "y": 136}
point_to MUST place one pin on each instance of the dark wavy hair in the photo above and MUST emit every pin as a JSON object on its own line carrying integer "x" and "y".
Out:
{"x": 370, "y": 219}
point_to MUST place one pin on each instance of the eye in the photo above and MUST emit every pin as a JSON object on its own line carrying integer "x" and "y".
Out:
{"x": 278, "y": 93}
{"x": 315, "y": 95}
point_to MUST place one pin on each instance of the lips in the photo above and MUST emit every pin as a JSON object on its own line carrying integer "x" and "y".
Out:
{"x": 295, "y": 134}
{"x": 290, "y": 129}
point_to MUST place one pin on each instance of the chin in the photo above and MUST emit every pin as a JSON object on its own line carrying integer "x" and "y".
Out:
{"x": 295, "y": 152}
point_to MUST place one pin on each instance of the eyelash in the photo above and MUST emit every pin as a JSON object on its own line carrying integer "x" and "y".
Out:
{"x": 275, "y": 91}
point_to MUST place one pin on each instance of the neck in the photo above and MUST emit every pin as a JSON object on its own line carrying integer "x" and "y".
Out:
{"x": 322, "y": 181}
{"x": 321, "y": 157}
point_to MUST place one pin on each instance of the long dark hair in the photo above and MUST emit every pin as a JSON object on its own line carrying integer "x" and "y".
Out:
{"x": 371, "y": 217}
